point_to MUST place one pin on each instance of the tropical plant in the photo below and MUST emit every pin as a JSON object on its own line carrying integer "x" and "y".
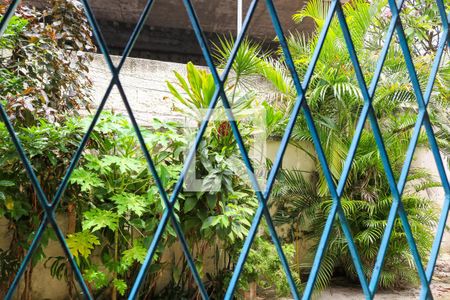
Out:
{"x": 219, "y": 213}
{"x": 335, "y": 101}
{"x": 118, "y": 204}
{"x": 305, "y": 204}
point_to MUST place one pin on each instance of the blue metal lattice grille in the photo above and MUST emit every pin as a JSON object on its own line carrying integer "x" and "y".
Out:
{"x": 369, "y": 286}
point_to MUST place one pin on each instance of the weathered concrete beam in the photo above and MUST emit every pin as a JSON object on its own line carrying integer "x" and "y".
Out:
{"x": 168, "y": 34}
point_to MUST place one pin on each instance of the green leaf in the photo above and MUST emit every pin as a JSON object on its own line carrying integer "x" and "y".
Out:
{"x": 120, "y": 285}
{"x": 127, "y": 202}
{"x": 224, "y": 221}
{"x": 82, "y": 243}
{"x": 137, "y": 253}
{"x": 85, "y": 179}
{"x": 212, "y": 200}
{"x": 96, "y": 219}
{"x": 211, "y": 221}
{"x": 99, "y": 279}
{"x": 6, "y": 183}
{"x": 125, "y": 164}
{"x": 190, "y": 204}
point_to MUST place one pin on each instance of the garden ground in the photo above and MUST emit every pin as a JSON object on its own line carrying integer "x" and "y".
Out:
{"x": 440, "y": 287}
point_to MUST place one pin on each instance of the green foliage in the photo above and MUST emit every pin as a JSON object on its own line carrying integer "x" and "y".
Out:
{"x": 49, "y": 147}
{"x": 135, "y": 254}
{"x": 247, "y": 63}
{"x": 199, "y": 87}
{"x": 366, "y": 205}
{"x": 335, "y": 102}
{"x": 96, "y": 219}
{"x": 117, "y": 202}
{"x": 221, "y": 212}
{"x": 112, "y": 198}
{"x": 43, "y": 80}
{"x": 44, "y": 70}
{"x": 82, "y": 243}
{"x": 120, "y": 205}
{"x": 264, "y": 267}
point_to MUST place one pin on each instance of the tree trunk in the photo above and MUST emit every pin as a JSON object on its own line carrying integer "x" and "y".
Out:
{"x": 71, "y": 228}
{"x": 251, "y": 294}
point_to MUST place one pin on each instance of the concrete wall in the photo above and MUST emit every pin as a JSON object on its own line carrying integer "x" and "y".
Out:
{"x": 144, "y": 82}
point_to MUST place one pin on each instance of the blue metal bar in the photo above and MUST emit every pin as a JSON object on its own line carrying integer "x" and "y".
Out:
{"x": 435, "y": 149}
{"x": 48, "y": 212}
{"x": 423, "y": 117}
{"x": 445, "y": 209}
{"x": 318, "y": 146}
{"x": 101, "y": 106}
{"x": 282, "y": 149}
{"x": 403, "y": 176}
{"x": 436, "y": 244}
{"x": 400, "y": 210}
{"x": 338, "y": 193}
{"x": 301, "y": 92}
{"x": 115, "y": 72}
{"x": 444, "y": 19}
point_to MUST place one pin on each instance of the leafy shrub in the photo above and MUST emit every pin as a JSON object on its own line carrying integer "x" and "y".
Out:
{"x": 45, "y": 64}
{"x": 43, "y": 79}
{"x": 50, "y": 148}
{"x": 263, "y": 266}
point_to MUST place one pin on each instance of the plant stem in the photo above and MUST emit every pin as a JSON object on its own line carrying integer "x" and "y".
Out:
{"x": 116, "y": 255}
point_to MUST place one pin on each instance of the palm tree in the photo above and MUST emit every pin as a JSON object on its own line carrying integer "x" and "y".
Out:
{"x": 335, "y": 102}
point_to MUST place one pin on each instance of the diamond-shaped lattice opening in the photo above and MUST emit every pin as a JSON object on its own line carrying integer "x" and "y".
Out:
{"x": 395, "y": 106}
